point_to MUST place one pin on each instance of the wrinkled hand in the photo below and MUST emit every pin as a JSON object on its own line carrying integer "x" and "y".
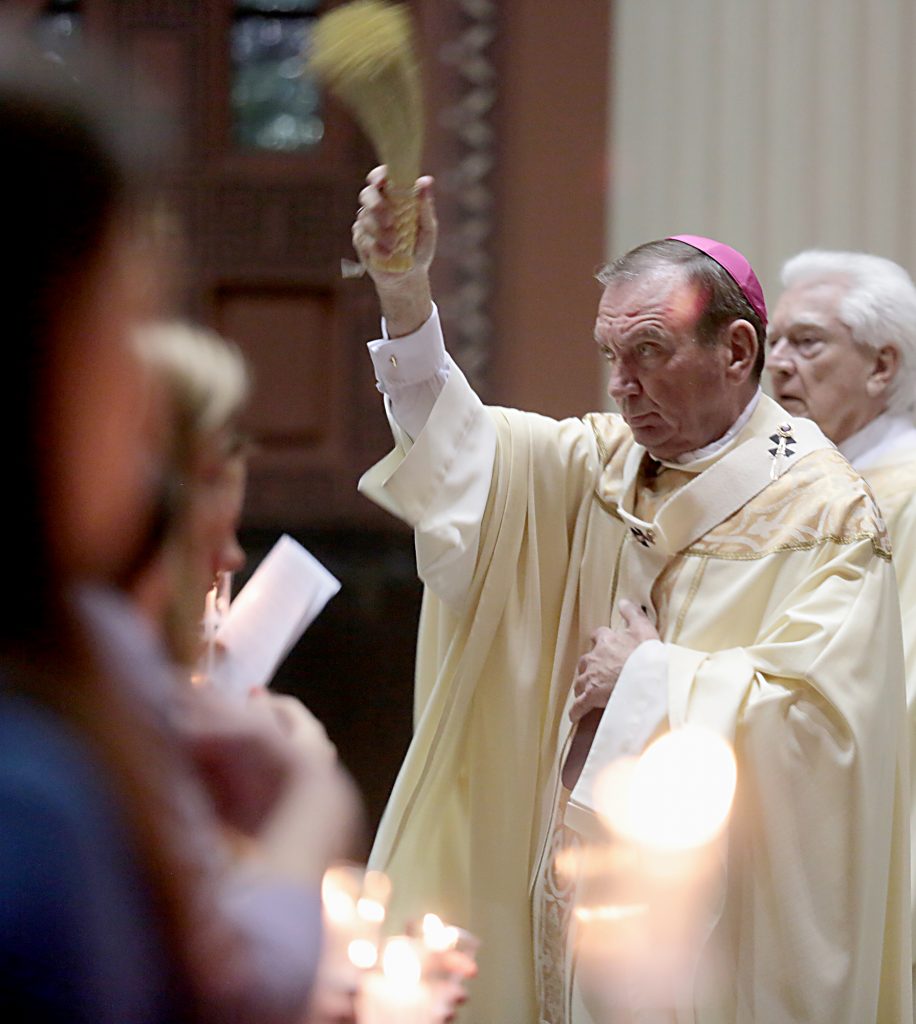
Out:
{"x": 374, "y": 232}
{"x": 599, "y": 669}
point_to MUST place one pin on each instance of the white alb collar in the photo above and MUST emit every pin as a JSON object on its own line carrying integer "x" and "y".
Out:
{"x": 882, "y": 435}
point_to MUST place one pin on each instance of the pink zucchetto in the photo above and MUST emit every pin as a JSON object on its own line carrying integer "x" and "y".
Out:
{"x": 738, "y": 268}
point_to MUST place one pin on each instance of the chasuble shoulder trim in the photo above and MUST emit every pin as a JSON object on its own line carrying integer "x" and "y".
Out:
{"x": 820, "y": 500}
{"x": 614, "y": 440}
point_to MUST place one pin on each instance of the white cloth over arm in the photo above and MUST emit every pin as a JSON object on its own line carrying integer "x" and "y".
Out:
{"x": 437, "y": 479}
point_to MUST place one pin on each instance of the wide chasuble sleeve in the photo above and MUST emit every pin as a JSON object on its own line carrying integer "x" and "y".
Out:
{"x": 782, "y": 632}
{"x": 893, "y": 481}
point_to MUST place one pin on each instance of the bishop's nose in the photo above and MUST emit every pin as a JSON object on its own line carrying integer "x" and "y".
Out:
{"x": 621, "y": 383}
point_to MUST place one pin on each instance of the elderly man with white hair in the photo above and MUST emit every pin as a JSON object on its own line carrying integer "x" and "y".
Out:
{"x": 842, "y": 351}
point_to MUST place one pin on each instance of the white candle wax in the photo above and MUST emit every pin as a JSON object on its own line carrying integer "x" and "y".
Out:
{"x": 396, "y": 994}
{"x": 384, "y": 1000}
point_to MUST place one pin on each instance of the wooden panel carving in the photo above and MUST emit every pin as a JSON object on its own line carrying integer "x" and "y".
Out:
{"x": 285, "y": 335}
{"x": 163, "y": 13}
{"x": 247, "y": 226}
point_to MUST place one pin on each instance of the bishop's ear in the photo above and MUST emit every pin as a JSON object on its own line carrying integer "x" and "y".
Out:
{"x": 742, "y": 344}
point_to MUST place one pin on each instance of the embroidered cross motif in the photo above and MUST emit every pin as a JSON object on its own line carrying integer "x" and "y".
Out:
{"x": 645, "y": 537}
{"x": 783, "y": 442}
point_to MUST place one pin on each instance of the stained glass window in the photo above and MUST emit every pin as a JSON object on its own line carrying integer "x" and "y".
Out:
{"x": 275, "y": 104}
{"x": 58, "y": 28}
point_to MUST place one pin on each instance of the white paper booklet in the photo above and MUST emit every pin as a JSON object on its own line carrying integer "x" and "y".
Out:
{"x": 271, "y": 612}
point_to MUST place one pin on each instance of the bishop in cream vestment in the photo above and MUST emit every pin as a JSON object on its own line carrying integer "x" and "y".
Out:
{"x": 761, "y": 559}
{"x": 780, "y": 625}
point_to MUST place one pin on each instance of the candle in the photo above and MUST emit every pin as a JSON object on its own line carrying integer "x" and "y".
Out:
{"x": 223, "y": 588}
{"x": 397, "y": 993}
{"x": 648, "y": 900}
{"x": 354, "y": 902}
{"x": 211, "y": 622}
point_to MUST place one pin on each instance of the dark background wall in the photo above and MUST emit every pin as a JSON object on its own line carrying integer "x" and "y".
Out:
{"x": 517, "y": 128}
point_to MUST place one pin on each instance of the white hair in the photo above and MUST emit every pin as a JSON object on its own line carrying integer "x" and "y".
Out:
{"x": 879, "y": 308}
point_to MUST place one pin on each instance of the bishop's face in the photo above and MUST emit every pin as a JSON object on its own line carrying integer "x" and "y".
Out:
{"x": 816, "y": 368}
{"x": 675, "y": 393}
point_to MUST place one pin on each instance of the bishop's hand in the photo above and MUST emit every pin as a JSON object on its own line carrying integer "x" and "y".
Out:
{"x": 599, "y": 669}
{"x": 404, "y": 295}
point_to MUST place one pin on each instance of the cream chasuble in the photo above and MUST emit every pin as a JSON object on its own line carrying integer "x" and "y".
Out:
{"x": 781, "y": 630}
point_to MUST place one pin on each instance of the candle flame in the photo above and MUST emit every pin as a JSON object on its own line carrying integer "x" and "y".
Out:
{"x": 612, "y": 912}
{"x": 437, "y": 935}
{"x": 362, "y": 953}
{"x": 338, "y": 906}
{"x": 338, "y": 894}
{"x": 370, "y": 910}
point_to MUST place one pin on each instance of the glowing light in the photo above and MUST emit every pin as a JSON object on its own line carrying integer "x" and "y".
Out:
{"x": 438, "y": 936}
{"x": 400, "y": 963}
{"x": 676, "y": 796}
{"x": 370, "y": 910}
{"x": 338, "y": 906}
{"x": 377, "y": 886}
{"x": 338, "y": 896}
{"x": 613, "y": 912}
{"x": 362, "y": 953}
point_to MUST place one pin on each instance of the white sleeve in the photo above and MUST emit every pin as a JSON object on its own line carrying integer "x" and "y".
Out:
{"x": 439, "y": 484}
{"x": 411, "y": 372}
{"x": 638, "y": 706}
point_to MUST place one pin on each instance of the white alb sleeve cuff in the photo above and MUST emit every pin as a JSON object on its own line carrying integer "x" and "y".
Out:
{"x": 411, "y": 372}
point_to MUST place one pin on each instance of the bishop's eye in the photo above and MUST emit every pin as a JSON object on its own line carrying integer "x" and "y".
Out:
{"x": 608, "y": 355}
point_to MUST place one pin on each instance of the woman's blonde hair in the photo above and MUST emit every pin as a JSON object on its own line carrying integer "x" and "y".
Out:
{"x": 207, "y": 385}
{"x": 205, "y": 375}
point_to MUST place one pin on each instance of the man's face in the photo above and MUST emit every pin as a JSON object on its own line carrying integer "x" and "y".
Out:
{"x": 673, "y": 391}
{"x": 816, "y": 368}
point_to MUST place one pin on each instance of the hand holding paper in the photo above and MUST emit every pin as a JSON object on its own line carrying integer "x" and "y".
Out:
{"x": 278, "y": 603}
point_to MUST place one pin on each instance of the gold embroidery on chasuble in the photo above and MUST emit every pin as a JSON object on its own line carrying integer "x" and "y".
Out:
{"x": 820, "y": 500}
{"x": 556, "y": 894}
{"x": 657, "y": 484}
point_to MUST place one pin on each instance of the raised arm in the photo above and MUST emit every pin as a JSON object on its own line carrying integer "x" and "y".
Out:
{"x": 405, "y": 297}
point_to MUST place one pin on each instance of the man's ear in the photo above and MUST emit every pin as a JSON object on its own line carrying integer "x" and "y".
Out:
{"x": 883, "y": 371}
{"x": 741, "y": 343}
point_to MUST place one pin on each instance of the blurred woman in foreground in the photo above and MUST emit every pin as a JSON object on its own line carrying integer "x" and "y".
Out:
{"x": 118, "y": 899}
{"x": 206, "y": 383}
